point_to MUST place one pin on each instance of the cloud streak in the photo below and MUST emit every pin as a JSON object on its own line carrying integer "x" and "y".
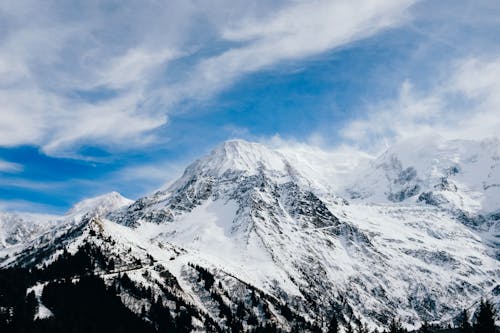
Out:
{"x": 10, "y": 167}
{"x": 96, "y": 73}
{"x": 297, "y": 31}
{"x": 464, "y": 103}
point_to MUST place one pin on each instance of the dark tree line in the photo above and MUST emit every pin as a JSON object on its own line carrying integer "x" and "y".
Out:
{"x": 484, "y": 322}
{"x": 81, "y": 302}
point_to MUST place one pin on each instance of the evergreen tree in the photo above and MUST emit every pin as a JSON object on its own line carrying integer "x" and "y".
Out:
{"x": 31, "y": 306}
{"x": 464, "y": 323}
{"x": 252, "y": 319}
{"x": 240, "y": 311}
{"x": 253, "y": 298}
{"x": 236, "y": 326}
{"x": 333, "y": 326}
{"x": 395, "y": 327}
{"x": 358, "y": 324}
{"x": 425, "y": 328}
{"x": 485, "y": 319}
{"x": 184, "y": 322}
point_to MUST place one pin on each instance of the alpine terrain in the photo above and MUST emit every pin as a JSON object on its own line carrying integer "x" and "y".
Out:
{"x": 251, "y": 238}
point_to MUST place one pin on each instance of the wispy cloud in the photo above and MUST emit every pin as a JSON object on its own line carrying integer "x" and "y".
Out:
{"x": 463, "y": 103}
{"x": 329, "y": 166}
{"x": 96, "y": 73}
{"x": 25, "y": 206}
{"x": 58, "y": 61}
{"x": 6, "y": 166}
{"x": 150, "y": 176}
{"x": 296, "y": 31}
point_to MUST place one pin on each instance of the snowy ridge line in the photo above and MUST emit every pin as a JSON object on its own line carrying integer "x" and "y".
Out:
{"x": 413, "y": 240}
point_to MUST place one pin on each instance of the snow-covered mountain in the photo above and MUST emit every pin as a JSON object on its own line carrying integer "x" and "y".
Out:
{"x": 17, "y": 228}
{"x": 259, "y": 224}
{"x": 21, "y": 227}
{"x": 100, "y": 205}
{"x": 463, "y": 174}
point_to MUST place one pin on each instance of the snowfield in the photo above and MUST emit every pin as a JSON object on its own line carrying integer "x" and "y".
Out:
{"x": 413, "y": 233}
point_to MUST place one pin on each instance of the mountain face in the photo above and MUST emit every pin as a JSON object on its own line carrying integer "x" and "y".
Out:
{"x": 18, "y": 228}
{"x": 460, "y": 175}
{"x": 247, "y": 239}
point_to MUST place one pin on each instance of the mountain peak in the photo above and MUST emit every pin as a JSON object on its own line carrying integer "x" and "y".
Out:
{"x": 464, "y": 174}
{"x": 101, "y": 204}
{"x": 240, "y": 156}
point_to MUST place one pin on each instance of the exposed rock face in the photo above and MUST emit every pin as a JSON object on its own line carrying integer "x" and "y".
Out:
{"x": 417, "y": 239}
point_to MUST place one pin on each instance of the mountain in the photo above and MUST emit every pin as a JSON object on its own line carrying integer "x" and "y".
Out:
{"x": 460, "y": 174}
{"x": 18, "y": 229}
{"x": 100, "y": 205}
{"x": 247, "y": 238}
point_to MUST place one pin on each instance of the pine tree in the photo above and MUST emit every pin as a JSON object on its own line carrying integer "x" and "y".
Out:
{"x": 31, "y": 306}
{"x": 485, "y": 322}
{"x": 240, "y": 311}
{"x": 395, "y": 327}
{"x": 425, "y": 327}
{"x": 253, "y": 298}
{"x": 464, "y": 322}
{"x": 333, "y": 326}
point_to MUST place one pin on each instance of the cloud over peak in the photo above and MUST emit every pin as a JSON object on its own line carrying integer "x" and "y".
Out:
{"x": 462, "y": 103}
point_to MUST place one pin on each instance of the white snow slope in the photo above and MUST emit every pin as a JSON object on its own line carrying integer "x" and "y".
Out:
{"x": 400, "y": 244}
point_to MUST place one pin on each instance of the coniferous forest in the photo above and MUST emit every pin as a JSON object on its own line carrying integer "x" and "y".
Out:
{"x": 89, "y": 305}
{"x": 82, "y": 301}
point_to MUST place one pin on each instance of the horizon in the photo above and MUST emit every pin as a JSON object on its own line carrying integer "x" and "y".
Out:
{"x": 99, "y": 98}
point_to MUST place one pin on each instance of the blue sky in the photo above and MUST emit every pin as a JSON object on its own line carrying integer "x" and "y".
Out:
{"x": 97, "y": 96}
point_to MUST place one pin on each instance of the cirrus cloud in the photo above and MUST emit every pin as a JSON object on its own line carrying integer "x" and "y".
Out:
{"x": 98, "y": 73}
{"x": 463, "y": 103}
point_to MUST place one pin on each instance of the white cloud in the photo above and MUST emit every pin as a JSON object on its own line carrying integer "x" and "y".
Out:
{"x": 58, "y": 60}
{"x": 411, "y": 113}
{"x": 23, "y": 206}
{"x": 331, "y": 166}
{"x": 464, "y": 103}
{"x": 135, "y": 66}
{"x": 300, "y": 30}
{"x": 10, "y": 167}
{"x": 151, "y": 176}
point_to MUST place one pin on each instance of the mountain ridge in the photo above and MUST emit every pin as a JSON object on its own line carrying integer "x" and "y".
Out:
{"x": 244, "y": 212}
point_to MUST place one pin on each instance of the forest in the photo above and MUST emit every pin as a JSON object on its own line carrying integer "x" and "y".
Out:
{"x": 81, "y": 301}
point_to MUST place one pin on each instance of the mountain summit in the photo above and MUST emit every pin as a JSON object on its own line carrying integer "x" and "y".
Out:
{"x": 239, "y": 156}
{"x": 243, "y": 240}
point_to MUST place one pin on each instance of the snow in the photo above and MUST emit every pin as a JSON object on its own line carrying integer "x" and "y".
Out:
{"x": 19, "y": 227}
{"x": 343, "y": 171}
{"x": 328, "y": 170}
{"x": 472, "y": 166}
{"x": 100, "y": 204}
{"x": 239, "y": 155}
{"x": 267, "y": 218}
{"x": 238, "y": 158}
{"x": 42, "y": 311}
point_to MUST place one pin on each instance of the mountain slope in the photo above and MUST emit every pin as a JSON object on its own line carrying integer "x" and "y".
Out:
{"x": 463, "y": 174}
{"x": 265, "y": 223}
{"x": 244, "y": 228}
{"x": 18, "y": 229}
